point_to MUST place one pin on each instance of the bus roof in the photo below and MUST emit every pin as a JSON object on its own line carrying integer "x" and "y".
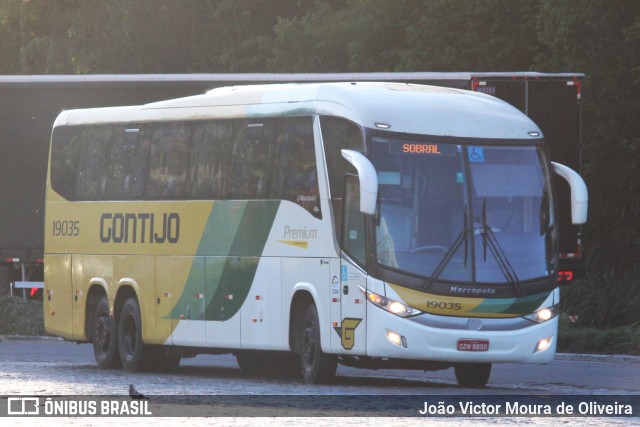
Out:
{"x": 400, "y": 107}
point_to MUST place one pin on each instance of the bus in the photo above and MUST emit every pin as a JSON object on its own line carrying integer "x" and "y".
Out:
{"x": 298, "y": 226}
{"x": 29, "y": 104}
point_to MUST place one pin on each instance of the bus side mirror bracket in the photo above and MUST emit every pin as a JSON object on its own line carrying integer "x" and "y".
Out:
{"x": 579, "y": 193}
{"x": 368, "y": 178}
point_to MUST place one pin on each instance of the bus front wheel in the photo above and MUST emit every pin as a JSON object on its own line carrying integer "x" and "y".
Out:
{"x": 105, "y": 337}
{"x": 317, "y": 367}
{"x": 473, "y": 374}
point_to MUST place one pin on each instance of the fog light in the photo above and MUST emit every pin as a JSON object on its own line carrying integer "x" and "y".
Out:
{"x": 396, "y": 339}
{"x": 543, "y": 344}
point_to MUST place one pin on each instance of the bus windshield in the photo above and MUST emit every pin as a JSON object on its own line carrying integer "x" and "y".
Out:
{"x": 462, "y": 213}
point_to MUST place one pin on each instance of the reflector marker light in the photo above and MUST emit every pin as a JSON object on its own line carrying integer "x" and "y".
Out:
{"x": 565, "y": 276}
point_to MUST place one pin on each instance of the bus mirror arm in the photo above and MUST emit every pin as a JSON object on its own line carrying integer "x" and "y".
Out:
{"x": 579, "y": 193}
{"x": 368, "y": 179}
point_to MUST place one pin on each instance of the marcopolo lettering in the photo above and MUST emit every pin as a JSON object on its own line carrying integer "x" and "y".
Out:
{"x": 139, "y": 228}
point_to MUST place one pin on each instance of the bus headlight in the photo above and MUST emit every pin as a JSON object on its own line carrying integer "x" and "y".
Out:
{"x": 394, "y": 307}
{"x": 542, "y": 315}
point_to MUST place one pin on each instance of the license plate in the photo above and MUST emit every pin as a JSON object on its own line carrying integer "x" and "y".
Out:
{"x": 473, "y": 345}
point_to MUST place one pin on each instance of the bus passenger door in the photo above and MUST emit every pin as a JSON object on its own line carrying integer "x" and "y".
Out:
{"x": 350, "y": 325}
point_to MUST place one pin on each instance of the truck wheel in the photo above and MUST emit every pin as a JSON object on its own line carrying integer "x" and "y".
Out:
{"x": 317, "y": 367}
{"x": 134, "y": 355}
{"x": 473, "y": 374}
{"x": 105, "y": 339}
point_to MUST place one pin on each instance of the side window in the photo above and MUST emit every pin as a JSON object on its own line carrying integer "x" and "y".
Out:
{"x": 66, "y": 149}
{"x": 210, "y": 159}
{"x": 95, "y": 160}
{"x": 251, "y": 155}
{"x": 338, "y": 134}
{"x": 128, "y": 166}
{"x": 168, "y": 159}
{"x": 353, "y": 236}
{"x": 295, "y": 176}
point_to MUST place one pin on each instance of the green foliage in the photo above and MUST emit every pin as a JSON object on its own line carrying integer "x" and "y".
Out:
{"x": 599, "y": 38}
{"x": 590, "y": 340}
{"x": 20, "y": 317}
{"x": 602, "y": 39}
{"x": 604, "y": 299}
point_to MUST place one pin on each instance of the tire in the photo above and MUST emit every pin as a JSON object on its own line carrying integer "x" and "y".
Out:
{"x": 316, "y": 366}
{"x": 475, "y": 375}
{"x": 105, "y": 338}
{"x": 134, "y": 354}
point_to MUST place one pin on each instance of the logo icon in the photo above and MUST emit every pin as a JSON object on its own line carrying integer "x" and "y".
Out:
{"x": 23, "y": 406}
{"x": 347, "y": 332}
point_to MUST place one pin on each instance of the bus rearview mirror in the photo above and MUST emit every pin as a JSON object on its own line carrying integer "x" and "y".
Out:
{"x": 368, "y": 178}
{"x": 579, "y": 193}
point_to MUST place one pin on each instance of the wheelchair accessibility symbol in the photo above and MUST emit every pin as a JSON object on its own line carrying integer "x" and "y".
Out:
{"x": 476, "y": 154}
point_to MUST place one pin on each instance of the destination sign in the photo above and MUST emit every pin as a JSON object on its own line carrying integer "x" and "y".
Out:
{"x": 421, "y": 148}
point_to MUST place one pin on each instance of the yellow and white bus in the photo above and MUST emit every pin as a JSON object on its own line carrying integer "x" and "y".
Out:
{"x": 299, "y": 226}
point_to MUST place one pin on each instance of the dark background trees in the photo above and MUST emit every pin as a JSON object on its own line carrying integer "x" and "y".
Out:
{"x": 599, "y": 38}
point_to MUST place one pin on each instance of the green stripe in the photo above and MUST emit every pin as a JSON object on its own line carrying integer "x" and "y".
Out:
{"x": 240, "y": 267}
{"x": 233, "y": 241}
{"x": 519, "y": 306}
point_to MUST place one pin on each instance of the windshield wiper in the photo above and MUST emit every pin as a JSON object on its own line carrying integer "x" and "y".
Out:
{"x": 462, "y": 237}
{"x": 545, "y": 215}
{"x": 489, "y": 239}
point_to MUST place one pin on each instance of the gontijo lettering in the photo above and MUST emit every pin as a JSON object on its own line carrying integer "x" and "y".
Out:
{"x": 139, "y": 228}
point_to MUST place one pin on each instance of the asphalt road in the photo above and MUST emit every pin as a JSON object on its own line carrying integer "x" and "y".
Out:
{"x": 59, "y": 368}
{"x": 42, "y": 367}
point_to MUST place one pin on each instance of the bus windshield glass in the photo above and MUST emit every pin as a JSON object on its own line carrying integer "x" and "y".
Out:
{"x": 463, "y": 213}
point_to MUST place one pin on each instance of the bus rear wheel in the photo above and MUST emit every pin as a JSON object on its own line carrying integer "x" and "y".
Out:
{"x": 317, "y": 367}
{"x": 474, "y": 375}
{"x": 134, "y": 354}
{"x": 105, "y": 337}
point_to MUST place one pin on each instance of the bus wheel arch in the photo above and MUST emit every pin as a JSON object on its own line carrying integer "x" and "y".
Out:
{"x": 301, "y": 299}
{"x": 305, "y": 340}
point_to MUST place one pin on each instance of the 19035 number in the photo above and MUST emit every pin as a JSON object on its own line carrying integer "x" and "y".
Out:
{"x": 442, "y": 305}
{"x": 66, "y": 228}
